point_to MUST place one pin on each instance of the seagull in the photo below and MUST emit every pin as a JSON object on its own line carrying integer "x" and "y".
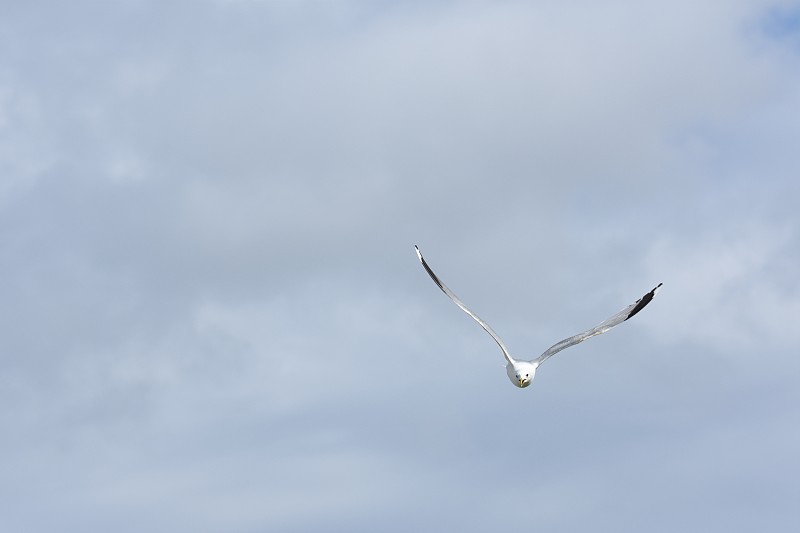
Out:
{"x": 521, "y": 373}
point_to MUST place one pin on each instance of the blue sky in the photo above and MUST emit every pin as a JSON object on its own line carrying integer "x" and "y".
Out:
{"x": 213, "y": 317}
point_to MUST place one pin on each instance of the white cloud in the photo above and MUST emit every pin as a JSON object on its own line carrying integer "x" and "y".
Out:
{"x": 732, "y": 290}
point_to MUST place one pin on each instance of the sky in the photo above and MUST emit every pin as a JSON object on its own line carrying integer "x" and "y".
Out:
{"x": 213, "y": 318}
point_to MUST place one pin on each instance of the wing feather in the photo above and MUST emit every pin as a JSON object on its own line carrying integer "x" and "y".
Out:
{"x": 602, "y": 327}
{"x": 463, "y": 307}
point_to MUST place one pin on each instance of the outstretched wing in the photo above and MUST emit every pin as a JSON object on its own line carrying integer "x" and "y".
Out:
{"x": 604, "y": 326}
{"x": 466, "y": 309}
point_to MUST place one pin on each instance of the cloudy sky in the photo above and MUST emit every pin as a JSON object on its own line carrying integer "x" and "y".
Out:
{"x": 213, "y": 318}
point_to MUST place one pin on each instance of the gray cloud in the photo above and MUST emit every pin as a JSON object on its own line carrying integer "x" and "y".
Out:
{"x": 213, "y": 317}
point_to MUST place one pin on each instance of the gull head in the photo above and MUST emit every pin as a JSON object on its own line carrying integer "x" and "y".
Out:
{"x": 521, "y": 373}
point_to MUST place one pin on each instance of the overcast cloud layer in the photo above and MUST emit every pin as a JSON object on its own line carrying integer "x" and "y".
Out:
{"x": 213, "y": 318}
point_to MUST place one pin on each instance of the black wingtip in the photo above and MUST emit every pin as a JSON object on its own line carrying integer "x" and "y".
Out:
{"x": 643, "y": 301}
{"x": 427, "y": 268}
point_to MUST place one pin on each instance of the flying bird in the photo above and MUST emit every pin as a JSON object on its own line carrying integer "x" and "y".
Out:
{"x": 521, "y": 373}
